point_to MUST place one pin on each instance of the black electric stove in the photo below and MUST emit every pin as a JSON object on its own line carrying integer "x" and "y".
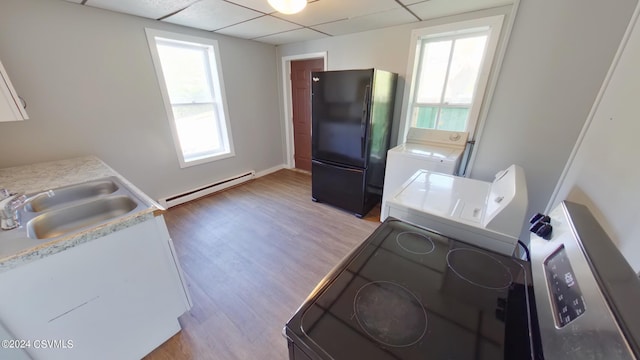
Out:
{"x": 409, "y": 293}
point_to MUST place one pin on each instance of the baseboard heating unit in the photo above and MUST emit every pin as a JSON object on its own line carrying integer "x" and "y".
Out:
{"x": 206, "y": 189}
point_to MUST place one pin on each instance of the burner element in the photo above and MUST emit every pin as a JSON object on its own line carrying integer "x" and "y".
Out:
{"x": 479, "y": 268}
{"x": 415, "y": 243}
{"x": 390, "y": 314}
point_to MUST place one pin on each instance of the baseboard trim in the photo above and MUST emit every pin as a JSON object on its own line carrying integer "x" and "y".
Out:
{"x": 205, "y": 190}
{"x": 213, "y": 188}
{"x": 270, "y": 170}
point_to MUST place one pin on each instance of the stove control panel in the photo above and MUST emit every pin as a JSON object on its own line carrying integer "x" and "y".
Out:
{"x": 583, "y": 289}
{"x": 568, "y": 302}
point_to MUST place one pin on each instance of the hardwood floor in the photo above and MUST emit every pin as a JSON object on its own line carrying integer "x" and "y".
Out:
{"x": 251, "y": 255}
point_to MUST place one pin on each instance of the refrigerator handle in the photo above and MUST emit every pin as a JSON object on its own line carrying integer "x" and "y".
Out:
{"x": 363, "y": 122}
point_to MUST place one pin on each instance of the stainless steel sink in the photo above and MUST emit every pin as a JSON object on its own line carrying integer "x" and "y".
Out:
{"x": 79, "y": 207}
{"x": 70, "y": 194}
{"x": 65, "y": 220}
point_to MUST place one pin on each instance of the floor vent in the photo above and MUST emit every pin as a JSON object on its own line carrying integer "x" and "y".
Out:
{"x": 206, "y": 190}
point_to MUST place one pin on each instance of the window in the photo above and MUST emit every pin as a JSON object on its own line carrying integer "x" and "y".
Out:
{"x": 188, "y": 70}
{"x": 450, "y": 72}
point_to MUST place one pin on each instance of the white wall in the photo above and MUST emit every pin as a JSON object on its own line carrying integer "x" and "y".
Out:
{"x": 603, "y": 174}
{"x": 90, "y": 85}
{"x": 386, "y": 49}
{"x": 557, "y": 56}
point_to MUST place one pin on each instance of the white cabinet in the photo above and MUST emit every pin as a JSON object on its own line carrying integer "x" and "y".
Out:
{"x": 116, "y": 297}
{"x": 11, "y": 108}
{"x": 11, "y": 350}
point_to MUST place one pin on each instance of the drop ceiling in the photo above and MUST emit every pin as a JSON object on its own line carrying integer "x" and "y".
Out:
{"x": 256, "y": 20}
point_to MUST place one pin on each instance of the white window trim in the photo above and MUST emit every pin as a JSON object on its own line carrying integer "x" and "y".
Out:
{"x": 287, "y": 98}
{"x": 218, "y": 80}
{"x": 495, "y": 26}
{"x": 456, "y": 35}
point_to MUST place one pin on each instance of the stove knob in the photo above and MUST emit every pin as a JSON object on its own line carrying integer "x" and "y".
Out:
{"x": 536, "y": 226}
{"x": 545, "y": 231}
{"x": 539, "y": 217}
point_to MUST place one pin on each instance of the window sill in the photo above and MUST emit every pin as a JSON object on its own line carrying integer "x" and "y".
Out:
{"x": 204, "y": 160}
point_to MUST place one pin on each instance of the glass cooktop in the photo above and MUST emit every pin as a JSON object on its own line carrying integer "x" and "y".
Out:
{"x": 407, "y": 293}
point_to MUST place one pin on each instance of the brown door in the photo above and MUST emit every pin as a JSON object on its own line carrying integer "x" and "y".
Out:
{"x": 301, "y": 103}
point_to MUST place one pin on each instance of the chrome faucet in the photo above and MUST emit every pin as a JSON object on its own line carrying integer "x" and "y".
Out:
{"x": 11, "y": 203}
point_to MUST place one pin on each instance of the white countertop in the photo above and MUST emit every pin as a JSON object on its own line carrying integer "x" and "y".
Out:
{"x": 16, "y": 249}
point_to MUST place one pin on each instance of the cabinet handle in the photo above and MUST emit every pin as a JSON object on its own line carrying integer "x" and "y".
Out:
{"x": 24, "y": 103}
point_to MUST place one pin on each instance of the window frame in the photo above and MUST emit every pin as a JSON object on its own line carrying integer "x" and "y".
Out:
{"x": 493, "y": 25}
{"x": 215, "y": 80}
{"x": 442, "y": 104}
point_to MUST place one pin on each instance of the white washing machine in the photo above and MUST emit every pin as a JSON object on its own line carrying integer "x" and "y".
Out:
{"x": 434, "y": 150}
{"x": 486, "y": 214}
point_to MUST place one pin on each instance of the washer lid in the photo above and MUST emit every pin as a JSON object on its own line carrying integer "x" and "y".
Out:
{"x": 444, "y": 195}
{"x": 431, "y": 152}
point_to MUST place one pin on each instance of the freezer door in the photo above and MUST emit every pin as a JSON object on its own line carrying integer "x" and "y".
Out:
{"x": 340, "y": 116}
{"x": 339, "y": 186}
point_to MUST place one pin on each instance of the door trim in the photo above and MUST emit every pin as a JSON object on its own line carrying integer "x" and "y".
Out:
{"x": 288, "y": 107}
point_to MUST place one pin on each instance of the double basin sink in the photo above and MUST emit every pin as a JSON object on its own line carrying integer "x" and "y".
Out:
{"x": 79, "y": 207}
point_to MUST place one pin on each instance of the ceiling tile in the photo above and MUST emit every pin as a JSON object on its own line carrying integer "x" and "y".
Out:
{"x": 323, "y": 11}
{"x": 261, "y": 26}
{"x": 248, "y": 18}
{"x": 368, "y": 22}
{"x": 153, "y": 9}
{"x": 258, "y": 5}
{"x": 212, "y": 15}
{"x": 291, "y": 37}
{"x": 438, "y": 8}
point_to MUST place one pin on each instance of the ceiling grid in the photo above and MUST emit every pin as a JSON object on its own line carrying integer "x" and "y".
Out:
{"x": 256, "y": 20}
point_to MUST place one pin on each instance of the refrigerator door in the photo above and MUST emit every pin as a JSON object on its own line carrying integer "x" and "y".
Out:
{"x": 341, "y": 187}
{"x": 379, "y": 132}
{"x": 340, "y": 116}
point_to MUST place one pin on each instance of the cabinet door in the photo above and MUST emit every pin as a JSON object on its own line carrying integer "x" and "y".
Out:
{"x": 11, "y": 352}
{"x": 116, "y": 297}
{"x": 11, "y": 108}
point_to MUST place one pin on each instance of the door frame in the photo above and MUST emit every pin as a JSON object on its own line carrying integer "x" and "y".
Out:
{"x": 288, "y": 106}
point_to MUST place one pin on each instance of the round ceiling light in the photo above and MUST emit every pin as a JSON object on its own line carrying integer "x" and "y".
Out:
{"x": 288, "y": 6}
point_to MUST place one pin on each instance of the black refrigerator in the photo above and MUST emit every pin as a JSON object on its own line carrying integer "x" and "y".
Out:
{"x": 352, "y": 112}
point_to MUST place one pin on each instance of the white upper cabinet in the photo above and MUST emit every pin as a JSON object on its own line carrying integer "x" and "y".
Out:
{"x": 11, "y": 108}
